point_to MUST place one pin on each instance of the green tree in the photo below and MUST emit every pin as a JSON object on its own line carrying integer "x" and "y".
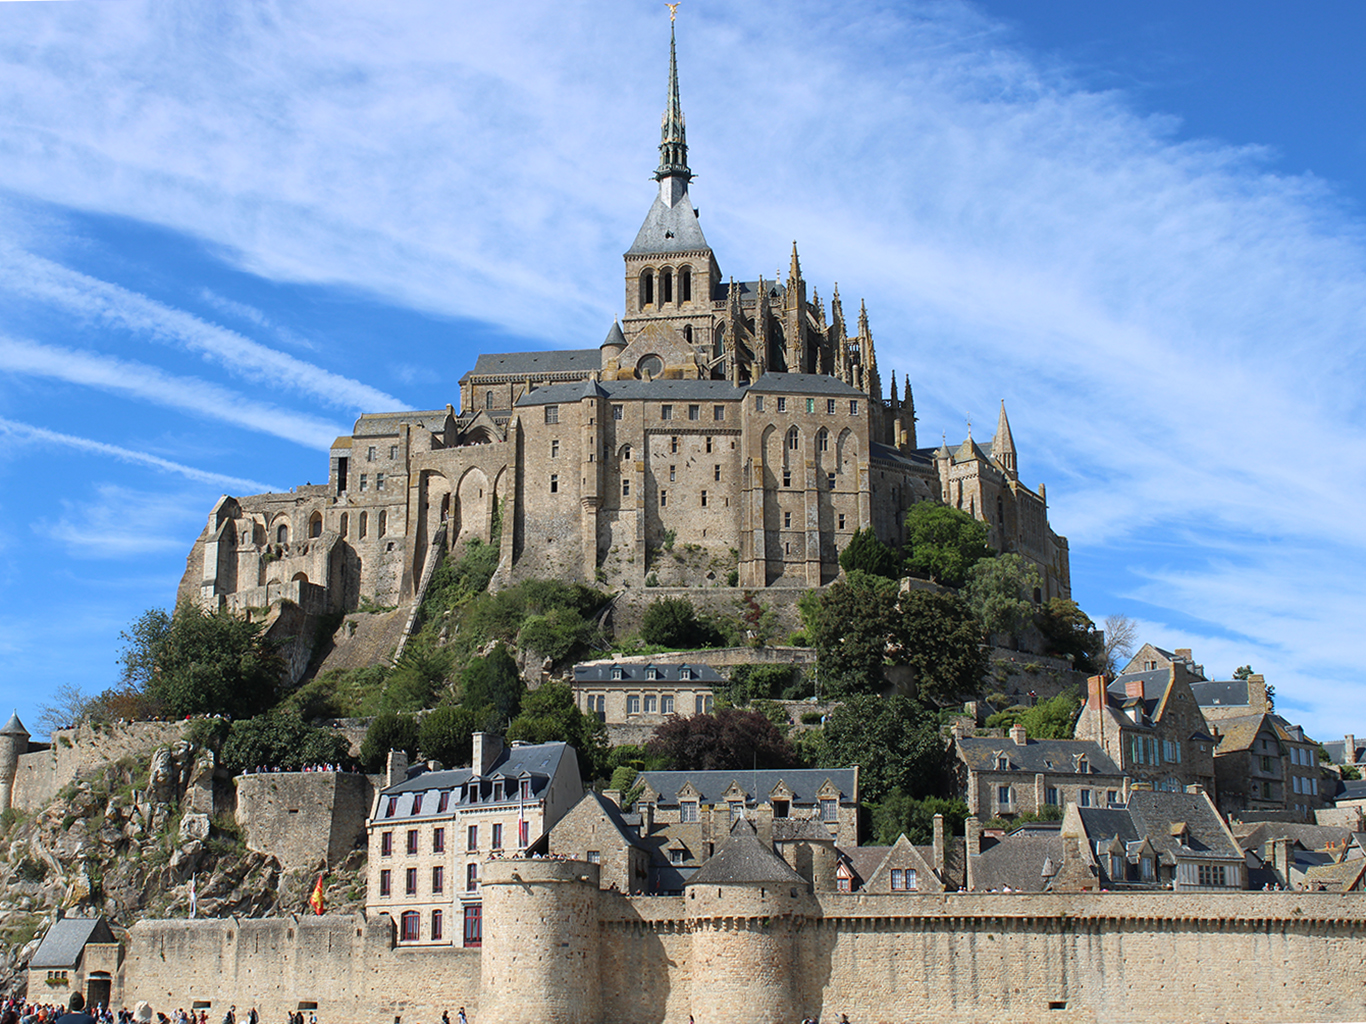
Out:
{"x": 492, "y": 686}
{"x": 941, "y": 640}
{"x": 945, "y": 543}
{"x": 732, "y": 739}
{"x": 142, "y": 643}
{"x": 673, "y": 622}
{"x": 413, "y": 683}
{"x": 1069, "y": 633}
{"x": 557, "y": 633}
{"x": 895, "y": 741}
{"x": 900, "y": 813}
{"x": 388, "y": 731}
{"x": 1052, "y": 719}
{"x": 865, "y": 553}
{"x": 214, "y": 663}
{"x": 999, "y": 592}
{"x": 446, "y": 734}
{"x": 1242, "y": 672}
{"x": 850, "y": 625}
{"x": 281, "y": 739}
{"x": 549, "y": 714}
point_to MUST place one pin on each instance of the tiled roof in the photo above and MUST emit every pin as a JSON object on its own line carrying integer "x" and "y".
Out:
{"x": 804, "y": 783}
{"x": 742, "y": 859}
{"x": 863, "y": 861}
{"x": 565, "y": 360}
{"x": 1057, "y": 756}
{"x": 64, "y": 941}
{"x": 1311, "y": 837}
{"x": 386, "y": 424}
{"x": 1240, "y": 733}
{"x": 1017, "y": 861}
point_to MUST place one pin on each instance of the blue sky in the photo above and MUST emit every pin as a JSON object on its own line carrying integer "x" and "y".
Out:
{"x": 225, "y": 230}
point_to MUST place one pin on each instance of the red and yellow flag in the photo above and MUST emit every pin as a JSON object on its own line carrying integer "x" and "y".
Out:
{"x": 316, "y": 900}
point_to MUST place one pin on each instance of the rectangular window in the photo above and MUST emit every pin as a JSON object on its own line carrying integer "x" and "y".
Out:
{"x": 673, "y": 446}
{"x": 474, "y": 925}
{"x": 666, "y": 704}
{"x": 1084, "y": 797}
{"x": 687, "y": 811}
{"x": 673, "y": 473}
{"x": 444, "y": 802}
{"x": 379, "y": 481}
{"x": 412, "y": 841}
{"x": 393, "y": 452}
{"x": 410, "y": 926}
{"x": 1112, "y": 797}
{"x": 787, "y": 478}
{"x": 438, "y": 840}
{"x": 626, "y": 488}
{"x": 694, "y": 412}
{"x": 525, "y": 791}
{"x": 554, "y": 483}
{"x": 737, "y": 810}
{"x": 666, "y": 412}
{"x": 898, "y": 880}
{"x": 1050, "y": 796}
{"x": 370, "y": 454}
{"x": 718, "y": 413}
{"x": 552, "y": 414}
{"x": 663, "y": 498}
{"x": 594, "y": 856}
{"x": 1266, "y": 764}
{"x": 633, "y": 704}
{"x": 386, "y": 882}
{"x": 1295, "y": 783}
{"x": 677, "y": 856}
{"x": 830, "y": 406}
{"x": 704, "y": 499}
{"x": 410, "y": 882}
{"x": 758, "y": 403}
{"x": 709, "y": 445}
{"x": 830, "y": 810}
{"x": 616, "y": 412}
{"x": 471, "y": 877}
{"x": 853, "y": 407}
{"x": 787, "y": 520}
{"x": 651, "y": 704}
{"x": 438, "y": 879}
{"x": 523, "y": 834}
{"x": 386, "y": 844}
{"x": 497, "y": 836}
{"x": 436, "y": 925}
{"x": 472, "y": 837}
{"x": 829, "y": 481}
{"x": 716, "y": 472}
{"x": 810, "y": 405}
{"x": 1003, "y": 795}
{"x": 364, "y": 482}
{"x": 417, "y": 804}
{"x": 841, "y": 521}
{"x": 555, "y": 448}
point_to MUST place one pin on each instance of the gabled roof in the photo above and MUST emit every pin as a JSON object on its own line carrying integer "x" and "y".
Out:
{"x": 1018, "y": 861}
{"x": 804, "y": 384}
{"x": 640, "y": 673}
{"x": 1311, "y": 837}
{"x": 805, "y": 783}
{"x": 626, "y": 390}
{"x": 64, "y": 941}
{"x": 1153, "y": 814}
{"x": 1241, "y": 732}
{"x": 742, "y": 859}
{"x": 386, "y": 424}
{"x": 1055, "y": 756}
{"x": 612, "y": 813}
{"x": 566, "y": 360}
{"x": 1220, "y": 693}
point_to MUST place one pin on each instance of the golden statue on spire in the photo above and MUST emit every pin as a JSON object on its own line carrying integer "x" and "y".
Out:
{"x": 673, "y": 10}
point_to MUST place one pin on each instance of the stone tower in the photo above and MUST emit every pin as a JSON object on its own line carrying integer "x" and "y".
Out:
{"x": 13, "y": 742}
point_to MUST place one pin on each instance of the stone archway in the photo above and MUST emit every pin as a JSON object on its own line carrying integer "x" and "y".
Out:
{"x": 473, "y": 502}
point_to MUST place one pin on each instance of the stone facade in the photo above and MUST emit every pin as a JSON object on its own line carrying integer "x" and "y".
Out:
{"x": 304, "y": 819}
{"x": 737, "y": 425}
{"x": 1004, "y": 778}
{"x": 1263, "y": 763}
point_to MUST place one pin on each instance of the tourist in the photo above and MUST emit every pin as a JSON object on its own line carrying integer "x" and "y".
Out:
{"x": 77, "y": 1014}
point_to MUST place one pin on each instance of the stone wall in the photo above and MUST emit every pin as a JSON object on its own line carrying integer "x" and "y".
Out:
{"x": 304, "y": 818}
{"x": 719, "y": 602}
{"x": 84, "y": 749}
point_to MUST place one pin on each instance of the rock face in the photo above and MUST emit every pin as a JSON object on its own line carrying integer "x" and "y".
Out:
{"x": 126, "y": 840}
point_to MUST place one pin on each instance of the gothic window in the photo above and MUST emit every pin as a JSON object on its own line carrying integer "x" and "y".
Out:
{"x": 647, "y": 288}
{"x": 488, "y": 400}
{"x": 364, "y": 524}
{"x": 685, "y": 285}
{"x": 666, "y": 286}
{"x": 345, "y": 522}
{"x": 793, "y": 439}
{"x": 720, "y": 348}
{"x": 383, "y": 523}
{"x": 823, "y": 440}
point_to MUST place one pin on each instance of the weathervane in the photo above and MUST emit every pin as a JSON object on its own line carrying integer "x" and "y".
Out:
{"x": 673, "y": 10}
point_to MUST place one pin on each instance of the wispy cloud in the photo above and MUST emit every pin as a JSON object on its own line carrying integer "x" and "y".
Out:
{"x": 35, "y": 277}
{"x": 252, "y": 315}
{"x": 39, "y": 435}
{"x": 121, "y": 522}
{"x": 147, "y": 383}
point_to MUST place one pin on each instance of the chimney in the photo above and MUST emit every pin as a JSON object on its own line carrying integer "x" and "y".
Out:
{"x": 1280, "y": 858}
{"x": 487, "y": 747}
{"x": 1256, "y": 692}
{"x": 939, "y": 845}
{"x": 1017, "y": 735}
{"x": 396, "y": 768}
{"x": 1184, "y": 654}
{"x": 973, "y": 847}
{"x": 613, "y": 795}
{"x": 1349, "y": 749}
{"x": 1133, "y": 688}
{"x": 1095, "y": 692}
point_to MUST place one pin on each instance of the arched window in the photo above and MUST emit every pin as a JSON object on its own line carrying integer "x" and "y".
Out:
{"x": 488, "y": 399}
{"x": 793, "y": 439}
{"x": 364, "y": 524}
{"x": 685, "y": 284}
{"x": 626, "y": 453}
{"x": 823, "y": 440}
{"x": 315, "y": 525}
{"x": 345, "y": 522}
{"x": 411, "y": 925}
{"x": 246, "y": 535}
{"x": 1038, "y": 596}
{"x": 647, "y": 287}
{"x": 666, "y": 286}
{"x": 687, "y": 333}
{"x": 383, "y": 522}
{"x": 282, "y": 534}
{"x": 720, "y": 340}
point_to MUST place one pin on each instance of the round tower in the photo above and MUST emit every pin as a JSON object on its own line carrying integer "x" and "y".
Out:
{"x": 747, "y": 908}
{"x": 13, "y": 743}
{"x": 539, "y": 961}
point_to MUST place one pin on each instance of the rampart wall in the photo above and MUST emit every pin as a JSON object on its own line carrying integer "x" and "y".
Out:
{"x": 79, "y": 751}
{"x": 304, "y": 818}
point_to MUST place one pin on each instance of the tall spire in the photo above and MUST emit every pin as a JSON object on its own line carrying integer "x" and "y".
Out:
{"x": 1003, "y": 444}
{"x": 673, "y": 172}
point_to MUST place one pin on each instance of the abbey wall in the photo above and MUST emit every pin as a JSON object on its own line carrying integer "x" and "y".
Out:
{"x": 558, "y": 950}
{"x": 41, "y": 773}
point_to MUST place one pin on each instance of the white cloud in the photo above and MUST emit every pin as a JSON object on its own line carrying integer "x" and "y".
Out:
{"x": 41, "y": 435}
{"x": 120, "y": 523}
{"x": 147, "y": 383}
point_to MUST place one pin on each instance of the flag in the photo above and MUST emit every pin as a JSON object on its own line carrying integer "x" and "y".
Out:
{"x": 316, "y": 900}
{"x": 194, "y": 899}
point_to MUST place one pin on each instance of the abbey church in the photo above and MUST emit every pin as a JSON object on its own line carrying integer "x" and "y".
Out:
{"x": 742, "y": 421}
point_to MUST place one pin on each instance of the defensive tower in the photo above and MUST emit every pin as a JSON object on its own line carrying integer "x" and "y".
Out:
{"x": 13, "y": 743}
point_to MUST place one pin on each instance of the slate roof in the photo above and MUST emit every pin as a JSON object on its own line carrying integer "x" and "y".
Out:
{"x": 863, "y": 861}
{"x": 614, "y": 336}
{"x": 1352, "y": 789}
{"x": 1056, "y": 756}
{"x": 804, "y": 783}
{"x": 1017, "y": 861}
{"x": 64, "y": 941}
{"x": 14, "y": 727}
{"x": 885, "y": 453}
{"x": 625, "y": 390}
{"x": 538, "y": 761}
{"x": 1220, "y": 693}
{"x": 639, "y": 674}
{"x": 386, "y": 424}
{"x": 669, "y": 229}
{"x": 1337, "y": 750}
{"x": 792, "y": 830}
{"x": 742, "y": 859}
{"x": 565, "y": 360}
{"x": 1337, "y": 877}
{"x": 1153, "y": 814}
{"x": 1311, "y": 837}
{"x": 804, "y": 384}
{"x": 749, "y": 291}
{"x": 1240, "y": 733}
{"x": 1154, "y": 684}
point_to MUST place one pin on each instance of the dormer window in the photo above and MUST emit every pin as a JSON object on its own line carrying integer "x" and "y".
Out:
{"x": 1003, "y": 764}
{"x": 685, "y": 672}
{"x": 1082, "y": 766}
{"x": 616, "y": 672}
{"x": 652, "y": 673}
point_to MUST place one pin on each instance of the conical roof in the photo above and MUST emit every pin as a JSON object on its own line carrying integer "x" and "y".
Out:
{"x": 614, "y": 336}
{"x": 14, "y": 727}
{"x": 743, "y": 860}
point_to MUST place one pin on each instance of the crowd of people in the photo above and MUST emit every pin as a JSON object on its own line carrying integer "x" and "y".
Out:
{"x": 267, "y": 769}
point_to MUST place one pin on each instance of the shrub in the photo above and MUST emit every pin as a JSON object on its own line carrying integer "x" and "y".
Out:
{"x": 388, "y": 731}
